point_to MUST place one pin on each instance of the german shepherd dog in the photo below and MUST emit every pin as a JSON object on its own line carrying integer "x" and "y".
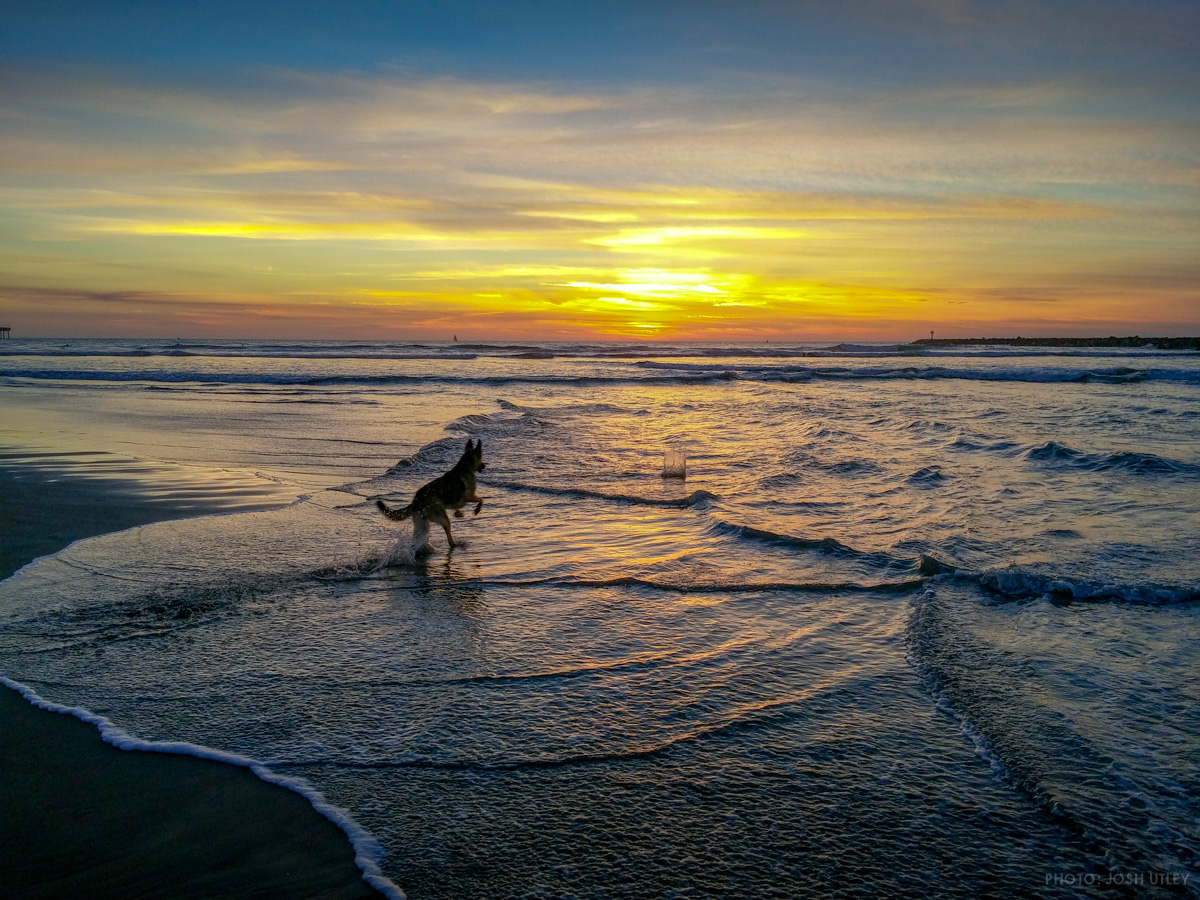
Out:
{"x": 453, "y": 490}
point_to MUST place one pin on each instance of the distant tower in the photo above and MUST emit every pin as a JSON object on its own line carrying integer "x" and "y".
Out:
{"x": 931, "y": 334}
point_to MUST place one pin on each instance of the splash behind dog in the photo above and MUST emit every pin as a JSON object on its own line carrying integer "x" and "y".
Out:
{"x": 431, "y": 504}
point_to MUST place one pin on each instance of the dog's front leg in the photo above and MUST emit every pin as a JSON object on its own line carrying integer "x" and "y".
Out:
{"x": 478, "y": 506}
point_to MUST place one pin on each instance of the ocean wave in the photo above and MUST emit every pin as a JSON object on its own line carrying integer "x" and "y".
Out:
{"x": 643, "y": 372}
{"x": 199, "y": 352}
{"x": 748, "y": 716}
{"x": 383, "y": 380}
{"x": 1119, "y": 375}
{"x": 844, "y": 468}
{"x": 499, "y": 763}
{"x": 923, "y": 565}
{"x": 712, "y": 587}
{"x": 1036, "y": 375}
{"x": 984, "y": 445}
{"x": 870, "y": 348}
{"x": 165, "y": 608}
{"x": 930, "y": 476}
{"x": 119, "y": 348}
{"x": 1017, "y": 583}
{"x": 1125, "y": 461}
{"x": 692, "y": 500}
{"x": 572, "y": 409}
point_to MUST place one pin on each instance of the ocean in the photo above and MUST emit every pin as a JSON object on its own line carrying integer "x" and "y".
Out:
{"x": 919, "y": 620}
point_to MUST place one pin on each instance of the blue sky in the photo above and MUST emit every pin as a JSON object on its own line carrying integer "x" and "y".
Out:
{"x": 864, "y": 42}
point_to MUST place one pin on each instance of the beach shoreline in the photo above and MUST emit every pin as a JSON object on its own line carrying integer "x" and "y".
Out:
{"x": 82, "y": 817}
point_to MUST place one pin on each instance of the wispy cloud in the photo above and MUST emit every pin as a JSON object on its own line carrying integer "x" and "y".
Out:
{"x": 539, "y": 204}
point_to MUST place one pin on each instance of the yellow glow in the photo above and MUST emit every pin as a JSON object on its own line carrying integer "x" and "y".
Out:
{"x": 381, "y": 201}
{"x": 679, "y": 303}
{"x": 583, "y": 216}
{"x": 642, "y": 237}
{"x": 634, "y": 304}
{"x": 648, "y": 288}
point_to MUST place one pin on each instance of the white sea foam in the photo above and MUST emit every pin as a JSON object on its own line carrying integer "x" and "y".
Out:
{"x": 367, "y": 851}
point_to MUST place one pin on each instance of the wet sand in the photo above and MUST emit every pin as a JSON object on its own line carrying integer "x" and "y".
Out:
{"x": 81, "y": 818}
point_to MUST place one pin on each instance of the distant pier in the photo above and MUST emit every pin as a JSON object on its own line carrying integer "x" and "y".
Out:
{"x": 5, "y": 332}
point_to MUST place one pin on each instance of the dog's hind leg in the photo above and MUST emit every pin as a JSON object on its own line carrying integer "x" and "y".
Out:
{"x": 420, "y": 538}
{"x": 444, "y": 521}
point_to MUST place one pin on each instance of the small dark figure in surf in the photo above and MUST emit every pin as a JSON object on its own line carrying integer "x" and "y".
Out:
{"x": 453, "y": 490}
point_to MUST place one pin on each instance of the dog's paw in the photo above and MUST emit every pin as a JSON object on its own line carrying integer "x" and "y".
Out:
{"x": 458, "y": 514}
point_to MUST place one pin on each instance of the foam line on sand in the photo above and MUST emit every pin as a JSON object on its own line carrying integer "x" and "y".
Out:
{"x": 367, "y": 851}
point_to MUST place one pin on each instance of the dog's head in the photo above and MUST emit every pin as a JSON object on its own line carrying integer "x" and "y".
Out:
{"x": 473, "y": 456}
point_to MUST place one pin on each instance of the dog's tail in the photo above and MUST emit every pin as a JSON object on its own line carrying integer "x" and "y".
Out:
{"x": 398, "y": 514}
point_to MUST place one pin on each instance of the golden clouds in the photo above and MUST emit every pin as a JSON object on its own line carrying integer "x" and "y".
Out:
{"x": 679, "y": 212}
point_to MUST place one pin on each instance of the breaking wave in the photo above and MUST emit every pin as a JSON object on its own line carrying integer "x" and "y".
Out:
{"x": 716, "y": 587}
{"x": 1033, "y": 374}
{"x": 1017, "y": 583}
{"x": 691, "y": 501}
{"x": 1123, "y": 461}
{"x": 603, "y": 372}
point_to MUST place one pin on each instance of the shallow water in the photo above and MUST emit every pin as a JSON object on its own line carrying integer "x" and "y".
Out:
{"x": 915, "y": 622}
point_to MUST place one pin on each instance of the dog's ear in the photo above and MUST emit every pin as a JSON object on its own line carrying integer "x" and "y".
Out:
{"x": 469, "y": 449}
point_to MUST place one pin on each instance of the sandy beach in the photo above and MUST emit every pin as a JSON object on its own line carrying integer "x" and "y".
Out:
{"x": 82, "y": 818}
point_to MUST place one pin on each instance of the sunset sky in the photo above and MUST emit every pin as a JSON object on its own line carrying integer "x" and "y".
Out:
{"x": 562, "y": 170}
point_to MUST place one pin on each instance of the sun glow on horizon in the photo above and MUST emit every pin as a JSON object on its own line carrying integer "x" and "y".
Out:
{"x": 744, "y": 207}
